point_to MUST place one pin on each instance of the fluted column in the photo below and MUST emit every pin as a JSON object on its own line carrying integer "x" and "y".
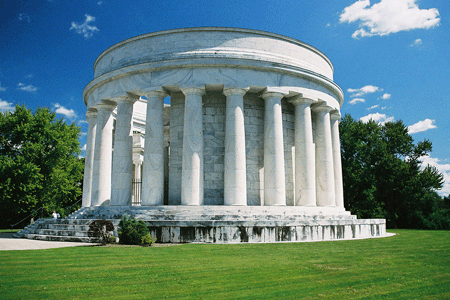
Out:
{"x": 153, "y": 173}
{"x": 324, "y": 158}
{"x": 192, "y": 165}
{"x": 122, "y": 175}
{"x": 305, "y": 169}
{"x": 338, "y": 184}
{"x": 91, "y": 118}
{"x": 235, "y": 175}
{"x": 101, "y": 182}
{"x": 274, "y": 177}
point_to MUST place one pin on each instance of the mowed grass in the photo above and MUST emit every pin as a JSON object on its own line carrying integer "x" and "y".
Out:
{"x": 411, "y": 265}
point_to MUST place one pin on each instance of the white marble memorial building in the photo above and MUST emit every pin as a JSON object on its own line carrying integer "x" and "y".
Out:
{"x": 218, "y": 123}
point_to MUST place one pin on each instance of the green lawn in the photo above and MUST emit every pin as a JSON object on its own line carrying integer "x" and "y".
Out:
{"x": 411, "y": 265}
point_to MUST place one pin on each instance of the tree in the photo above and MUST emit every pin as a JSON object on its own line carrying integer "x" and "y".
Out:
{"x": 383, "y": 177}
{"x": 39, "y": 163}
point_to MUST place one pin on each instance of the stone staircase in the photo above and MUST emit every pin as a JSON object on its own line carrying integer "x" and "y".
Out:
{"x": 65, "y": 230}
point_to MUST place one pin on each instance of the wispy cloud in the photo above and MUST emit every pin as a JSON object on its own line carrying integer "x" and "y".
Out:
{"x": 443, "y": 168}
{"x": 416, "y": 43}
{"x": 356, "y": 101}
{"x": 377, "y": 117}
{"x": 25, "y": 18}
{"x": 6, "y": 106}
{"x": 422, "y": 126}
{"x": 69, "y": 113}
{"x": 85, "y": 29}
{"x": 388, "y": 16}
{"x": 368, "y": 89}
{"x": 2, "y": 88}
{"x": 27, "y": 88}
{"x": 372, "y": 107}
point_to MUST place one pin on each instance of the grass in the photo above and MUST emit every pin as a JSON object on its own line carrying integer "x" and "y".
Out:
{"x": 8, "y": 230}
{"x": 411, "y": 265}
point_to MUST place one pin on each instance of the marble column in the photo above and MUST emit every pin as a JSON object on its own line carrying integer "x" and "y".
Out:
{"x": 274, "y": 177}
{"x": 122, "y": 171}
{"x": 101, "y": 175}
{"x": 192, "y": 156}
{"x": 153, "y": 165}
{"x": 138, "y": 182}
{"x": 235, "y": 174}
{"x": 325, "y": 192}
{"x": 305, "y": 169}
{"x": 338, "y": 184}
{"x": 91, "y": 118}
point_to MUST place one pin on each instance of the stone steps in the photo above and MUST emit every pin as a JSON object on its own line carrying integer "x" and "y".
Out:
{"x": 59, "y": 238}
{"x": 213, "y": 224}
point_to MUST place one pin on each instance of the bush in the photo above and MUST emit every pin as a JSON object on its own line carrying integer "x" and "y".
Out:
{"x": 131, "y": 231}
{"x": 147, "y": 240}
{"x": 101, "y": 229}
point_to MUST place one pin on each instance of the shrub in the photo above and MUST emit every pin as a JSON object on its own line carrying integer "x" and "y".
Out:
{"x": 131, "y": 231}
{"x": 147, "y": 240}
{"x": 102, "y": 230}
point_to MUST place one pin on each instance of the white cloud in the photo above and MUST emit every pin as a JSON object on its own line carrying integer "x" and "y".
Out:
{"x": 443, "y": 168}
{"x": 27, "y": 88}
{"x": 422, "y": 126}
{"x": 100, "y": 2}
{"x": 368, "y": 89}
{"x": 386, "y": 96}
{"x": 356, "y": 100}
{"x": 85, "y": 29}
{"x": 417, "y": 43}
{"x": 388, "y": 16}
{"x": 69, "y": 113}
{"x": 377, "y": 117}
{"x": 84, "y": 148}
{"x": 372, "y": 107}
{"x": 6, "y": 106}
{"x": 2, "y": 88}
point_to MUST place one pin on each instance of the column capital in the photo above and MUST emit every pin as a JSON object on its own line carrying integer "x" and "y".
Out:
{"x": 335, "y": 115}
{"x": 193, "y": 91}
{"x": 234, "y": 91}
{"x": 137, "y": 162}
{"x": 267, "y": 95}
{"x": 321, "y": 108}
{"x": 91, "y": 112}
{"x": 106, "y": 105}
{"x": 155, "y": 93}
{"x": 129, "y": 97}
{"x": 301, "y": 100}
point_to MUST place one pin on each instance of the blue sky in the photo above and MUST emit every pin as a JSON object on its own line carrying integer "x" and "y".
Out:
{"x": 391, "y": 57}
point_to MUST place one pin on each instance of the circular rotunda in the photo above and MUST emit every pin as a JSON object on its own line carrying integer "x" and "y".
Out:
{"x": 218, "y": 135}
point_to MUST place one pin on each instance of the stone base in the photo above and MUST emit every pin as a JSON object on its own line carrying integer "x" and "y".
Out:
{"x": 218, "y": 224}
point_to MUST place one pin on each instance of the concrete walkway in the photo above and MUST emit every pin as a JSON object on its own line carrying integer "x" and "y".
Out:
{"x": 8, "y": 242}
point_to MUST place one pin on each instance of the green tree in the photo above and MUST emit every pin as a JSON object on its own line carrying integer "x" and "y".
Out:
{"x": 39, "y": 163}
{"x": 383, "y": 177}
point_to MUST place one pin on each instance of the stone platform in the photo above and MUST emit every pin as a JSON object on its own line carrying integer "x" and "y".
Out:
{"x": 218, "y": 224}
